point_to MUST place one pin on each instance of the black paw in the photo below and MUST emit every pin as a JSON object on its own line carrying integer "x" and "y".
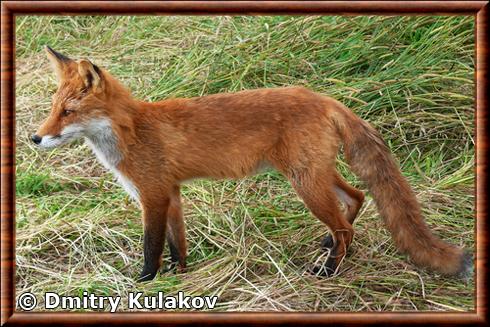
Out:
{"x": 332, "y": 263}
{"x": 321, "y": 270}
{"x": 146, "y": 276}
{"x": 328, "y": 268}
{"x": 327, "y": 242}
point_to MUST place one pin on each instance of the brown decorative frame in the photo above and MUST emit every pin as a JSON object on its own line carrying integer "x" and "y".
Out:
{"x": 10, "y": 9}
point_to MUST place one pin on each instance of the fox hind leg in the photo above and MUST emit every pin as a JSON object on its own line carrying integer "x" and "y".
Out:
{"x": 317, "y": 192}
{"x": 352, "y": 199}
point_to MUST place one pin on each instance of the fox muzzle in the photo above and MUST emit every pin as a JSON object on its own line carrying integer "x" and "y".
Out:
{"x": 36, "y": 139}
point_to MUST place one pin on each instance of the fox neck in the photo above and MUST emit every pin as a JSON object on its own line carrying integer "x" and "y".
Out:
{"x": 101, "y": 138}
{"x": 104, "y": 143}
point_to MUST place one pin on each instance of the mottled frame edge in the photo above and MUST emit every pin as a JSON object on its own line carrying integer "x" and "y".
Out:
{"x": 10, "y": 9}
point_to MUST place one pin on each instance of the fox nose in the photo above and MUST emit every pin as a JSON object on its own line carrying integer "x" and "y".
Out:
{"x": 36, "y": 138}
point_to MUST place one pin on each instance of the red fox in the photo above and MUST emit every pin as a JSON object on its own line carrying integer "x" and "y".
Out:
{"x": 153, "y": 147}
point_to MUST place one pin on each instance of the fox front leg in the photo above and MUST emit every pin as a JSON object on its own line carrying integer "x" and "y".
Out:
{"x": 155, "y": 222}
{"x": 176, "y": 232}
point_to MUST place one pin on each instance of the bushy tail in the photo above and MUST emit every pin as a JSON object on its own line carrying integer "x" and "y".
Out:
{"x": 371, "y": 160}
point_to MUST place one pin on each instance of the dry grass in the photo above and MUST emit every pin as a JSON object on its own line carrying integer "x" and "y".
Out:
{"x": 250, "y": 240}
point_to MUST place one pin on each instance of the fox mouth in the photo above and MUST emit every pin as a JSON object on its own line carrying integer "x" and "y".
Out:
{"x": 50, "y": 141}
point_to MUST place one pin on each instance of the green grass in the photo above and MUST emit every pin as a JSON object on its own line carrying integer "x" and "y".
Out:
{"x": 251, "y": 240}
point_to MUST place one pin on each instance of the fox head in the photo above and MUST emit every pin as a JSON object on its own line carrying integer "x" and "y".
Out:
{"x": 79, "y": 105}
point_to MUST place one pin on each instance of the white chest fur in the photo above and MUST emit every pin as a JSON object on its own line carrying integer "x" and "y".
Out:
{"x": 101, "y": 138}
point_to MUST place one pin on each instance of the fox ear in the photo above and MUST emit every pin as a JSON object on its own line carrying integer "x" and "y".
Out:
{"x": 58, "y": 61}
{"x": 91, "y": 75}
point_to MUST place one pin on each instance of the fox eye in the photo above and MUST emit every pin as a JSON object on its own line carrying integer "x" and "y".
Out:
{"x": 66, "y": 112}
